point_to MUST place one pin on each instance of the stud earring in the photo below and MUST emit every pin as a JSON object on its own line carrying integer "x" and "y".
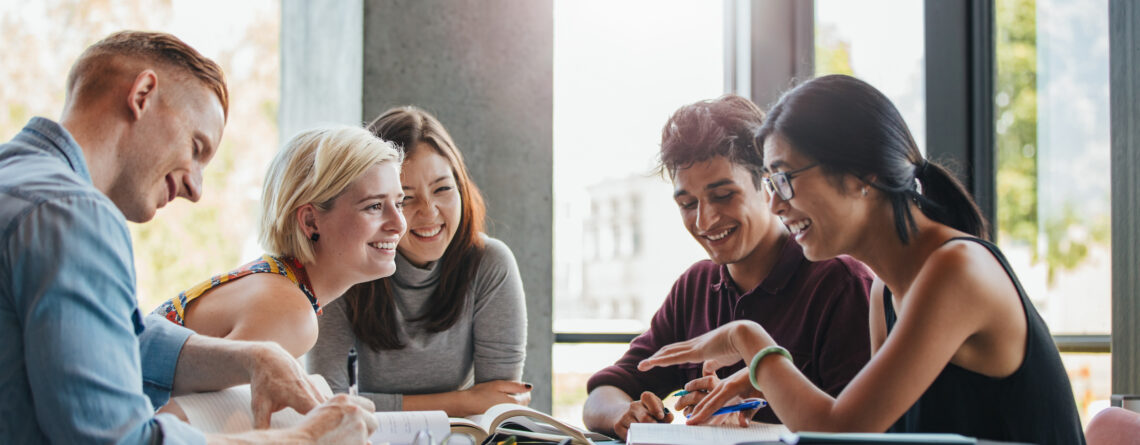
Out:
{"x": 316, "y": 236}
{"x": 864, "y": 191}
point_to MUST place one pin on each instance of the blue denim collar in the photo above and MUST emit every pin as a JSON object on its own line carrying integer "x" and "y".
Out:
{"x": 52, "y": 138}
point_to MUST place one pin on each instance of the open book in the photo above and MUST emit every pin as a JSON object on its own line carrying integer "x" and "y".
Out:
{"x": 517, "y": 420}
{"x": 228, "y": 411}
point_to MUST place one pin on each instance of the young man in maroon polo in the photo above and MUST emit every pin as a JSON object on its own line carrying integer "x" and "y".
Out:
{"x": 754, "y": 272}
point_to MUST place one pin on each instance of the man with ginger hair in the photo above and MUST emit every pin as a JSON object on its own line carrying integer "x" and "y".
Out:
{"x": 143, "y": 116}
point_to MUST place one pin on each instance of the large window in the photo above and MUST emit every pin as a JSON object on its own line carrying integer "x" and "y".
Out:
{"x": 620, "y": 70}
{"x": 1051, "y": 100}
{"x": 186, "y": 242}
{"x": 850, "y": 38}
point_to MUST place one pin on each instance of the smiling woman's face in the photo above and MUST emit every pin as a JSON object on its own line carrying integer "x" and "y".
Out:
{"x": 362, "y": 228}
{"x": 825, "y": 220}
{"x": 432, "y": 205}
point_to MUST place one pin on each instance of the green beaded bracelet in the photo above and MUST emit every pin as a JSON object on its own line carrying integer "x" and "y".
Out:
{"x": 759, "y": 356}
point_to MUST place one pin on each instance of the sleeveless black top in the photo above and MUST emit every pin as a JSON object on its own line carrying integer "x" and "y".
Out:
{"x": 1034, "y": 404}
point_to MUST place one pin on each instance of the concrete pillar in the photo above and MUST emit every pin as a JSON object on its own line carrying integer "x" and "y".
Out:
{"x": 485, "y": 69}
{"x": 321, "y": 65}
{"x": 1124, "y": 78}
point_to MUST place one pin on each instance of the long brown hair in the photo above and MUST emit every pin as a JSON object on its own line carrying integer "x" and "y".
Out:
{"x": 371, "y": 306}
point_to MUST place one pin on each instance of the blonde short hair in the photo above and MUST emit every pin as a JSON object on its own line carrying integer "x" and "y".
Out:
{"x": 314, "y": 167}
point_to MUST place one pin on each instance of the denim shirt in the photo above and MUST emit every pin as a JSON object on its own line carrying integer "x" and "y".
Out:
{"x": 71, "y": 334}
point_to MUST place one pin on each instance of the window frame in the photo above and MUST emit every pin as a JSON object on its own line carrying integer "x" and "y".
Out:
{"x": 768, "y": 45}
{"x": 959, "y": 122}
{"x": 960, "y": 126}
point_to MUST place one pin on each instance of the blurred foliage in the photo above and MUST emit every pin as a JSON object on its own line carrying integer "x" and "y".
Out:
{"x": 1016, "y": 112}
{"x": 832, "y": 54}
{"x": 185, "y": 243}
{"x": 1067, "y": 238}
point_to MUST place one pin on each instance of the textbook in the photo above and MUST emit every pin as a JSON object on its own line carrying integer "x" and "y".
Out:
{"x": 677, "y": 434}
{"x": 228, "y": 411}
{"x": 509, "y": 419}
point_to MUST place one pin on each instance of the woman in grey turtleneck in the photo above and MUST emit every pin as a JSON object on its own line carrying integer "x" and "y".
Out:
{"x": 448, "y": 330}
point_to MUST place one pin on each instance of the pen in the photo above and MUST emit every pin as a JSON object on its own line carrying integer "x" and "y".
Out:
{"x": 352, "y": 370}
{"x": 683, "y": 393}
{"x": 750, "y": 404}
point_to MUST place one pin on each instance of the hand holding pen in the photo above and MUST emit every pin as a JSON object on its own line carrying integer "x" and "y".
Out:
{"x": 708, "y": 394}
{"x": 747, "y": 405}
{"x": 687, "y": 399}
{"x": 695, "y": 391}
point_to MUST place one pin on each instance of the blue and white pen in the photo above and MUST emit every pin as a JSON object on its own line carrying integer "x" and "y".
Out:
{"x": 746, "y": 405}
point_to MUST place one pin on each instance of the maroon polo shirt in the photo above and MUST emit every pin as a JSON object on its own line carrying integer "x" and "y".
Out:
{"x": 817, "y": 310}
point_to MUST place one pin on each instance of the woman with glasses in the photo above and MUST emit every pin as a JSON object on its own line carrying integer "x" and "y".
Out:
{"x": 957, "y": 345}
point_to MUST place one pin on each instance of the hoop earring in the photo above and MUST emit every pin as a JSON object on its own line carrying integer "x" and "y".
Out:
{"x": 314, "y": 237}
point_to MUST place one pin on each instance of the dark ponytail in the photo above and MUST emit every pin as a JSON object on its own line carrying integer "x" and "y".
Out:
{"x": 850, "y": 127}
{"x": 944, "y": 199}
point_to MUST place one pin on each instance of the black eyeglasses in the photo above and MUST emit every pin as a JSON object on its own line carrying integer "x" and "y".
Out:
{"x": 781, "y": 183}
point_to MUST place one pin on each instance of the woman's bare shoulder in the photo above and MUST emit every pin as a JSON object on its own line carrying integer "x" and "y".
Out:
{"x": 273, "y": 308}
{"x": 961, "y": 277}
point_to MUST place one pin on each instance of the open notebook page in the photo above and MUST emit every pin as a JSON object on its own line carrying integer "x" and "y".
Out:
{"x": 400, "y": 427}
{"x": 228, "y": 410}
{"x": 676, "y": 434}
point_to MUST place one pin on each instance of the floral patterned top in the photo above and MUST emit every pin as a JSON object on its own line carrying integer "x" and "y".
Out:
{"x": 175, "y": 308}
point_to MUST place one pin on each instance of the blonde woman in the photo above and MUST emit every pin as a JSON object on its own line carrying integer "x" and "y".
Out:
{"x": 448, "y": 330}
{"x": 330, "y": 218}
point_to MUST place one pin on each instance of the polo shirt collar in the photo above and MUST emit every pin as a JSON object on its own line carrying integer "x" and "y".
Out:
{"x": 791, "y": 255}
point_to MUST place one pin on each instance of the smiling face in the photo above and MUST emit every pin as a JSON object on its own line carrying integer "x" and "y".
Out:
{"x": 432, "y": 205}
{"x": 722, "y": 209}
{"x": 361, "y": 229}
{"x": 824, "y": 218}
{"x": 166, "y": 149}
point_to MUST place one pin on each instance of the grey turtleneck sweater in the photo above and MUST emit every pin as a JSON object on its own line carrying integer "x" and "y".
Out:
{"x": 487, "y": 343}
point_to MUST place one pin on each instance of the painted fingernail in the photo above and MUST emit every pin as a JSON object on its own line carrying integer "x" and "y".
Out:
{"x": 528, "y": 385}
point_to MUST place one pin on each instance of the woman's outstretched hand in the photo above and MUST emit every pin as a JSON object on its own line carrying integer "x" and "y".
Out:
{"x": 720, "y": 347}
{"x": 723, "y": 346}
